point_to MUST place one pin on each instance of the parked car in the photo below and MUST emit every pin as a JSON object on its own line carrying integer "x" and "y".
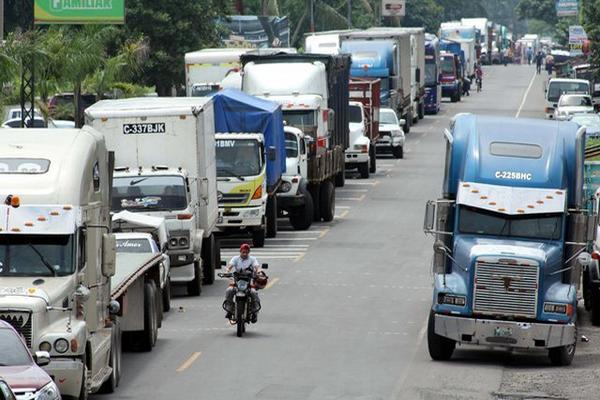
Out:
{"x": 15, "y": 112}
{"x": 573, "y": 103}
{"x": 590, "y": 121}
{"x": 22, "y": 371}
{"x": 39, "y": 123}
{"x": 391, "y": 136}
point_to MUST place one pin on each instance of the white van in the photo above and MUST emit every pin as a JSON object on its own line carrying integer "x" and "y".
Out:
{"x": 559, "y": 86}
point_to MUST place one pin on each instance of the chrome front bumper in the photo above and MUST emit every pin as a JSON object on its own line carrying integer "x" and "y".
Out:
{"x": 525, "y": 335}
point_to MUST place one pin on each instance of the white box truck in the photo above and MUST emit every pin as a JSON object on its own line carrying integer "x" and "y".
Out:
{"x": 60, "y": 286}
{"x": 165, "y": 166}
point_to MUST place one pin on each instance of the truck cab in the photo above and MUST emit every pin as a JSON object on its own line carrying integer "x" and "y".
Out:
{"x": 450, "y": 76}
{"x": 358, "y": 154}
{"x": 56, "y": 251}
{"x": 433, "y": 88}
{"x": 511, "y": 234}
{"x": 241, "y": 183}
{"x": 556, "y": 87}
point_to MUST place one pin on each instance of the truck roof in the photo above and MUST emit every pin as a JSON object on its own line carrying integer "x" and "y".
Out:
{"x": 533, "y": 153}
{"x": 211, "y": 56}
{"x": 568, "y": 80}
{"x": 146, "y": 106}
{"x": 375, "y": 34}
{"x": 71, "y": 156}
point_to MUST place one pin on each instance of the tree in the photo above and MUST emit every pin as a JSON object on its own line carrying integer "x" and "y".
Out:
{"x": 425, "y": 13}
{"x": 172, "y": 28}
{"x": 590, "y": 17}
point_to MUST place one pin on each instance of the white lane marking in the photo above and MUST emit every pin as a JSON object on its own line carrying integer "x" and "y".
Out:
{"x": 525, "y": 96}
{"x": 310, "y": 232}
{"x": 286, "y": 239}
{"x": 361, "y": 183}
{"x": 349, "y": 198}
{"x": 342, "y": 207}
{"x": 299, "y": 246}
{"x": 188, "y": 363}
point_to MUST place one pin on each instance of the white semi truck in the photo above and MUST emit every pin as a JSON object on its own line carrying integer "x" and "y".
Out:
{"x": 165, "y": 166}
{"x": 58, "y": 286}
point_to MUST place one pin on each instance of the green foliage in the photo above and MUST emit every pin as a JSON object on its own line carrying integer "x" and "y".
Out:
{"x": 426, "y": 13}
{"x": 544, "y": 10}
{"x": 590, "y": 16}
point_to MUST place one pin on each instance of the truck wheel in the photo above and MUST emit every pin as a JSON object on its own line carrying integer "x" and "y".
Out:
{"x": 148, "y": 335}
{"x": 217, "y": 253}
{"x": 258, "y": 237}
{"x": 340, "y": 177}
{"x": 301, "y": 219}
{"x": 372, "y": 159}
{"x": 415, "y": 118}
{"x": 271, "y": 216}
{"x": 562, "y": 356}
{"x": 406, "y": 127}
{"x": 315, "y": 193}
{"x": 209, "y": 259}
{"x": 398, "y": 152}
{"x": 440, "y": 348}
{"x": 421, "y": 110}
{"x": 194, "y": 287}
{"x": 363, "y": 170}
{"x": 594, "y": 294}
{"x": 112, "y": 382}
{"x": 327, "y": 201}
{"x": 458, "y": 95}
{"x": 454, "y": 98}
{"x": 166, "y": 295}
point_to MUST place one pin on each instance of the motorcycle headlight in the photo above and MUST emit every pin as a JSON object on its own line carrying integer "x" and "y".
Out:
{"x": 242, "y": 285}
{"x": 61, "y": 345}
{"x": 285, "y": 187}
{"x": 48, "y": 392}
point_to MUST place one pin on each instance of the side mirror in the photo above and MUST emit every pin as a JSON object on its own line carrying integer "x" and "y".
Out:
{"x": 584, "y": 258}
{"x": 429, "y": 222}
{"x": 402, "y": 122}
{"x": 82, "y": 293}
{"x": 109, "y": 254}
{"x": 41, "y": 358}
{"x": 331, "y": 120}
{"x": 265, "y": 266}
{"x": 271, "y": 154}
{"x": 114, "y": 307}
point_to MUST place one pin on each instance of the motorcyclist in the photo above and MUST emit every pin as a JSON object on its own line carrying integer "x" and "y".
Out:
{"x": 479, "y": 74}
{"x": 243, "y": 262}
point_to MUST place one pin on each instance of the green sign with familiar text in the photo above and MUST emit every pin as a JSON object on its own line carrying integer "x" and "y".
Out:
{"x": 79, "y": 12}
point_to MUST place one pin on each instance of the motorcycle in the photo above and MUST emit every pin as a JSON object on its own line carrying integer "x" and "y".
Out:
{"x": 243, "y": 306}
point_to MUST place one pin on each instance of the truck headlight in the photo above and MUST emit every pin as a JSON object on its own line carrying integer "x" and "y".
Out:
{"x": 454, "y": 300}
{"x": 48, "y": 392}
{"x": 396, "y": 133}
{"x": 61, "y": 345}
{"x": 252, "y": 213}
{"x": 557, "y": 308}
{"x": 285, "y": 187}
{"x": 45, "y": 346}
{"x": 173, "y": 242}
{"x": 183, "y": 242}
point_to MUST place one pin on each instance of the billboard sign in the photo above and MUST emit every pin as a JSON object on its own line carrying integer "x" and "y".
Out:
{"x": 577, "y": 36}
{"x": 79, "y": 12}
{"x": 566, "y": 8}
{"x": 393, "y": 8}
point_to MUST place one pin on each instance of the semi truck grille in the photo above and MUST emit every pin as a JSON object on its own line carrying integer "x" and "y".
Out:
{"x": 505, "y": 289}
{"x": 21, "y": 321}
{"x": 234, "y": 198}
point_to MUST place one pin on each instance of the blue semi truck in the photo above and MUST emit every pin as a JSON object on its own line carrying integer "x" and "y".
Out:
{"x": 433, "y": 86}
{"x": 511, "y": 236}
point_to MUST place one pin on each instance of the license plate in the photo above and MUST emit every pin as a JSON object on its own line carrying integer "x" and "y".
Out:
{"x": 8, "y": 291}
{"x": 502, "y": 331}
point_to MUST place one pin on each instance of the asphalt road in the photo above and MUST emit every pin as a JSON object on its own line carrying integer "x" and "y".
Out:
{"x": 345, "y": 314}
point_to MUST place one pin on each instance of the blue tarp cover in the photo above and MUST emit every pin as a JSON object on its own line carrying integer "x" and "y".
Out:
{"x": 238, "y": 112}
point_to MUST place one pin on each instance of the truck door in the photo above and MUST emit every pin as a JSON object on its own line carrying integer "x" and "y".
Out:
{"x": 302, "y": 159}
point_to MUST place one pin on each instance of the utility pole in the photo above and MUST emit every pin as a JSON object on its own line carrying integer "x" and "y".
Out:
{"x": 1, "y": 20}
{"x": 349, "y": 14}
{"x": 312, "y": 15}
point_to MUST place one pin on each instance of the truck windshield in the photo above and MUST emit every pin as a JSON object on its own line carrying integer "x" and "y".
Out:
{"x": 576, "y": 101}
{"x": 132, "y": 245}
{"x": 291, "y": 145}
{"x": 556, "y": 89}
{"x": 354, "y": 114}
{"x": 13, "y": 352}
{"x": 537, "y": 226}
{"x": 36, "y": 255}
{"x": 388, "y": 117}
{"x": 149, "y": 193}
{"x": 238, "y": 157}
{"x": 430, "y": 74}
{"x": 302, "y": 120}
{"x": 447, "y": 65}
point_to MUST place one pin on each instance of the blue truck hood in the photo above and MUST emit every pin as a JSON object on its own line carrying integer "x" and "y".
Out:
{"x": 238, "y": 112}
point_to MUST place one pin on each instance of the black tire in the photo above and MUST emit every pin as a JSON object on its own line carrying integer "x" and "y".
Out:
{"x": 421, "y": 110}
{"x": 585, "y": 290}
{"x": 301, "y": 219}
{"x": 110, "y": 385}
{"x": 315, "y": 192}
{"x": 562, "y": 356}
{"x": 407, "y": 124}
{"x": 398, "y": 152}
{"x": 363, "y": 170}
{"x": 458, "y": 94}
{"x": 209, "y": 259}
{"x": 239, "y": 317}
{"x": 194, "y": 287}
{"x": 372, "y": 159}
{"x": 327, "y": 201}
{"x": 594, "y": 294}
{"x": 340, "y": 177}
{"x": 415, "y": 118}
{"x": 440, "y": 348}
{"x": 166, "y": 295}
{"x": 217, "y": 253}
{"x": 150, "y": 332}
{"x": 454, "y": 98}
{"x": 258, "y": 237}
{"x": 271, "y": 231}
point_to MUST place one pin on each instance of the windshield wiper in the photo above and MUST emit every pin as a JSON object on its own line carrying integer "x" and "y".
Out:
{"x": 228, "y": 171}
{"x": 43, "y": 259}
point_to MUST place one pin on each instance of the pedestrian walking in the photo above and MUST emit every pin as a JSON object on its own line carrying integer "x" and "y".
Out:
{"x": 539, "y": 59}
{"x": 529, "y": 55}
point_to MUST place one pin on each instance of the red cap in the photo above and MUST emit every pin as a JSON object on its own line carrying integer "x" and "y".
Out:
{"x": 245, "y": 246}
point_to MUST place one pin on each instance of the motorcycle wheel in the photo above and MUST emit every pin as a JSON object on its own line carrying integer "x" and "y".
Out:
{"x": 239, "y": 318}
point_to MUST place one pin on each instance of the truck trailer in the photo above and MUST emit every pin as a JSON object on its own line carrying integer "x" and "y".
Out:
{"x": 433, "y": 86}
{"x": 511, "y": 236}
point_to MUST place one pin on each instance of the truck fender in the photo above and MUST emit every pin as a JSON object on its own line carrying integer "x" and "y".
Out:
{"x": 594, "y": 272}
{"x": 303, "y": 184}
{"x": 57, "y": 330}
{"x": 198, "y": 236}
